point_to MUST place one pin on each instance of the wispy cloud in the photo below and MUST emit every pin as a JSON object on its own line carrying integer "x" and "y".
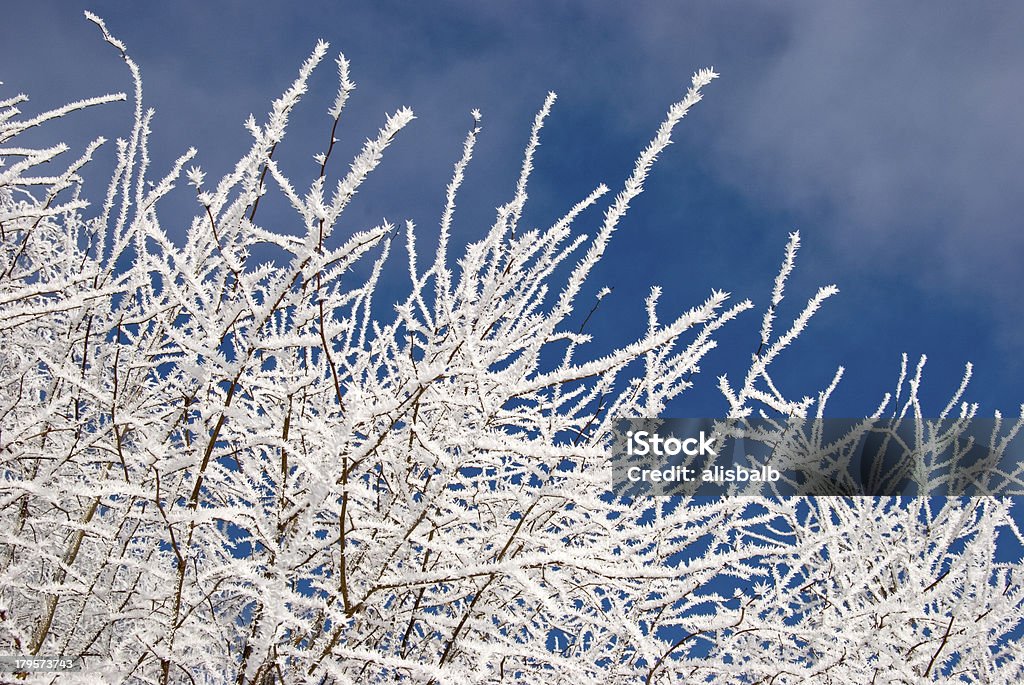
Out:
{"x": 899, "y": 129}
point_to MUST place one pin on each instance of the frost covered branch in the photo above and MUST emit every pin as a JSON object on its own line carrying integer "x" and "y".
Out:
{"x": 216, "y": 471}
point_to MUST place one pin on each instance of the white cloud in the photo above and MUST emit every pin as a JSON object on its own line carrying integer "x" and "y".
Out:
{"x": 900, "y": 130}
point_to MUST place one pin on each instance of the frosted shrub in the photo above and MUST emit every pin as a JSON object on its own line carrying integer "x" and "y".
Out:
{"x": 227, "y": 472}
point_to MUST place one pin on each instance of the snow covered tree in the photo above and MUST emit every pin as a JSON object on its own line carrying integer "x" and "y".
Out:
{"x": 222, "y": 471}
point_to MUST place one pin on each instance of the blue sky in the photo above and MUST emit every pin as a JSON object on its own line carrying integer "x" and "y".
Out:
{"x": 890, "y": 136}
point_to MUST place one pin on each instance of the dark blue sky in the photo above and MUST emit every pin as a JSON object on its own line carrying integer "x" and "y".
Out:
{"x": 889, "y": 136}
